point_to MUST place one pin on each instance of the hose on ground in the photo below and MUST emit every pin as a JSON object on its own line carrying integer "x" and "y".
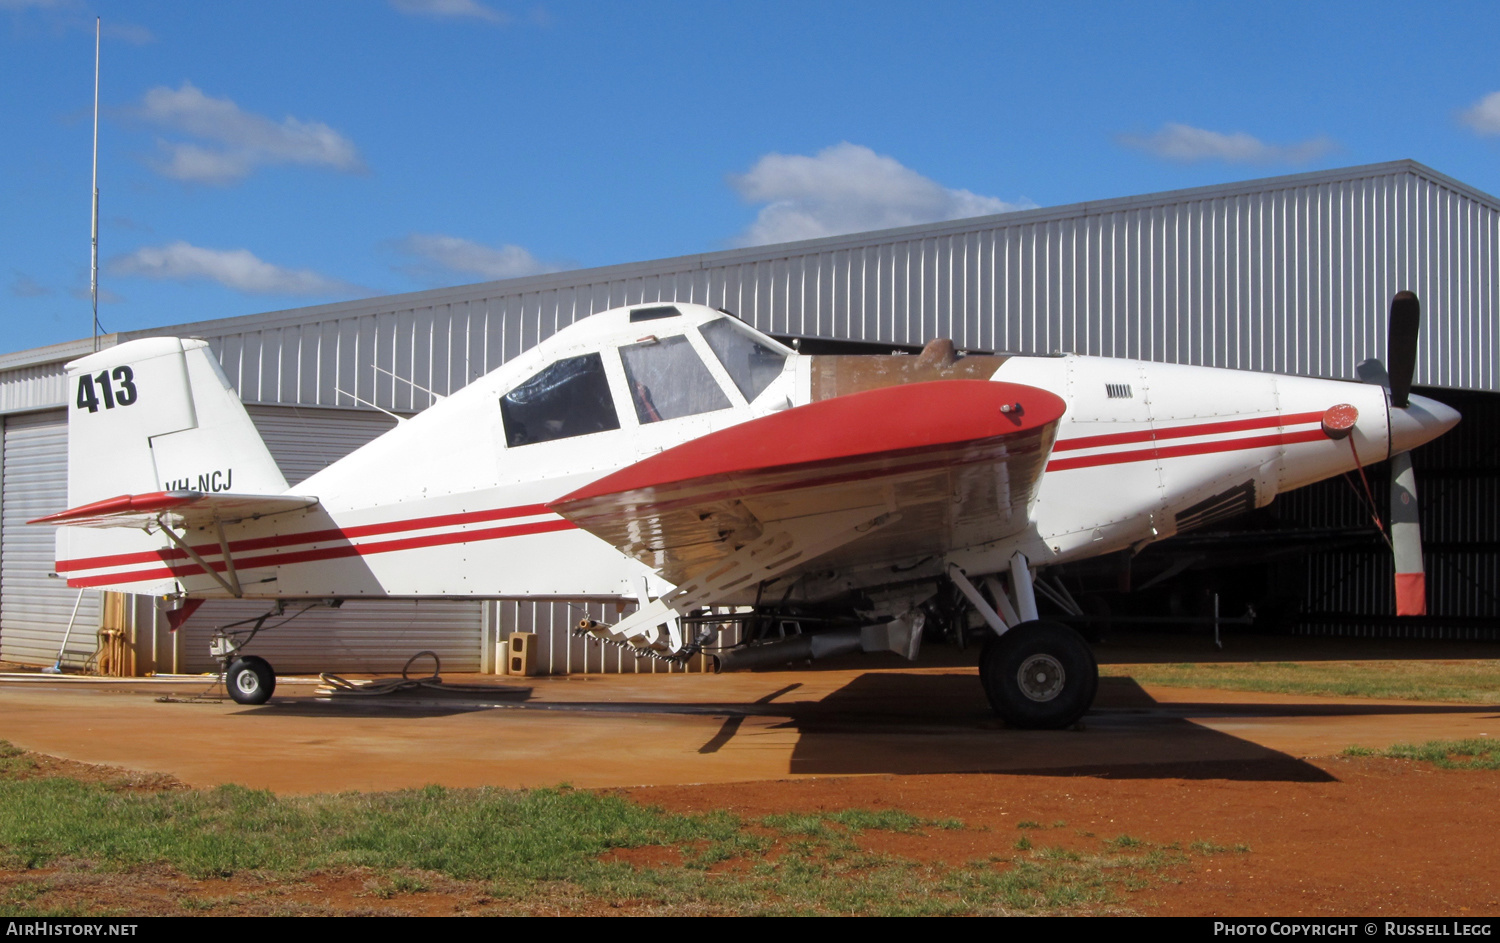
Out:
{"x": 333, "y": 684}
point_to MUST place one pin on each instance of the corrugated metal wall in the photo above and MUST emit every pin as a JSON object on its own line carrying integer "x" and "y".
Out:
{"x": 305, "y": 441}
{"x": 558, "y": 652}
{"x": 1292, "y": 276}
{"x": 363, "y": 635}
{"x": 33, "y": 387}
{"x": 34, "y": 606}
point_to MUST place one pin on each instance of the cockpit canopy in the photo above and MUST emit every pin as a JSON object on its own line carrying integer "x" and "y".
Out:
{"x": 687, "y": 366}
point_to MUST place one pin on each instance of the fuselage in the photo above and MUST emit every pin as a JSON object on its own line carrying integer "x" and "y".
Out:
{"x": 454, "y": 501}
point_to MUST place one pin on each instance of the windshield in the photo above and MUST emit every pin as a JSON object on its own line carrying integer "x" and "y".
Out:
{"x": 751, "y": 364}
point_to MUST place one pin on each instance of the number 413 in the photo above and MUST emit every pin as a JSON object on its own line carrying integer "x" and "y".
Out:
{"x": 91, "y": 388}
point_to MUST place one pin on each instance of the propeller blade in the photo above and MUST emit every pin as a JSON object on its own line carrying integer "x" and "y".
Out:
{"x": 1401, "y": 345}
{"x": 1406, "y": 539}
{"x": 1406, "y": 528}
{"x": 1373, "y": 371}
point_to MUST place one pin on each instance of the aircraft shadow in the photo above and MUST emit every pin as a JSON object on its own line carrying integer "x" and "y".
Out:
{"x": 893, "y": 722}
{"x": 890, "y": 722}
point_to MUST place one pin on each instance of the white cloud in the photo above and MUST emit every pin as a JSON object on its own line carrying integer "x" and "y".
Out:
{"x": 129, "y": 32}
{"x": 1484, "y": 117}
{"x": 1185, "y": 143}
{"x": 24, "y": 286}
{"x": 237, "y": 141}
{"x": 75, "y": 16}
{"x": 106, "y": 297}
{"x": 450, "y": 9}
{"x": 238, "y": 269}
{"x": 847, "y": 188}
{"x": 451, "y": 254}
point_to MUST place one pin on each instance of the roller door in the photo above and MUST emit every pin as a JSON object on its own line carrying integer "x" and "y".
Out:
{"x": 34, "y": 605}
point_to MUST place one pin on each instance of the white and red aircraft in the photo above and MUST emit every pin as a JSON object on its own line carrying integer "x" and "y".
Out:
{"x": 671, "y": 455}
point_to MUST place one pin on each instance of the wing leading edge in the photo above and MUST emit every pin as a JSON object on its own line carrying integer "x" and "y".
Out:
{"x": 942, "y": 465}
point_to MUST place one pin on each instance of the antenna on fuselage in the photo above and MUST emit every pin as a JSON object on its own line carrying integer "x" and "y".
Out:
{"x": 365, "y": 402}
{"x": 396, "y": 376}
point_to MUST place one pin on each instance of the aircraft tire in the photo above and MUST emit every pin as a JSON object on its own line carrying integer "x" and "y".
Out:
{"x": 250, "y": 680}
{"x": 1039, "y": 676}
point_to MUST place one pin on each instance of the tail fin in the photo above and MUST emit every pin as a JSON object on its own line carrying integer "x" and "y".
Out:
{"x": 151, "y": 416}
{"x": 158, "y": 415}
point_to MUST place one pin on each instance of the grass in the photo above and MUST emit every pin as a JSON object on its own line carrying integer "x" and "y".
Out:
{"x": 1210, "y": 848}
{"x": 539, "y": 834}
{"x": 1474, "y": 753}
{"x": 1465, "y": 682}
{"x": 509, "y": 851}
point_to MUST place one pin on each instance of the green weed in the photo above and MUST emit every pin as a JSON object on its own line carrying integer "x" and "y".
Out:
{"x": 1469, "y": 682}
{"x": 1474, "y": 753}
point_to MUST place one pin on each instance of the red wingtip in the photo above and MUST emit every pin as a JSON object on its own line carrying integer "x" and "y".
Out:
{"x": 124, "y": 504}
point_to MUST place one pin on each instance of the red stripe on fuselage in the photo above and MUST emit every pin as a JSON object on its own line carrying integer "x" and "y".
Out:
{"x": 328, "y": 553}
{"x": 1183, "y": 432}
{"x": 307, "y": 537}
{"x": 1177, "y": 451}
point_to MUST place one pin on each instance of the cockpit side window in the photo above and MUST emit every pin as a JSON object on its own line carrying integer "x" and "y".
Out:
{"x": 570, "y": 397}
{"x": 668, "y": 381}
{"x": 751, "y": 364}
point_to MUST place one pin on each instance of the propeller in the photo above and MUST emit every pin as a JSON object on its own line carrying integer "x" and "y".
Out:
{"x": 1406, "y": 529}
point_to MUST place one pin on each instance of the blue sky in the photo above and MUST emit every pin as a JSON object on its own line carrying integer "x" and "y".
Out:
{"x": 266, "y": 155}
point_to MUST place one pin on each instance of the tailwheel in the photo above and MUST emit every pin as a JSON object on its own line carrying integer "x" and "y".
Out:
{"x": 1039, "y": 675}
{"x": 250, "y": 680}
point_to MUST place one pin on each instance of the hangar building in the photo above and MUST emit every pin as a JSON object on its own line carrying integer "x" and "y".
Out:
{"x": 1290, "y": 274}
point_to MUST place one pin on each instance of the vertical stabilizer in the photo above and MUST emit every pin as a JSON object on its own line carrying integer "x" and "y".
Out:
{"x": 145, "y": 417}
{"x": 158, "y": 415}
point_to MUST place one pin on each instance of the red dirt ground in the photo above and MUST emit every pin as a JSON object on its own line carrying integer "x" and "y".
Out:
{"x": 1327, "y": 835}
{"x": 1331, "y": 837}
{"x": 1340, "y": 837}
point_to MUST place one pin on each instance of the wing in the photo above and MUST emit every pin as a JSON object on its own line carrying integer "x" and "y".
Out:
{"x": 181, "y": 508}
{"x": 939, "y": 465}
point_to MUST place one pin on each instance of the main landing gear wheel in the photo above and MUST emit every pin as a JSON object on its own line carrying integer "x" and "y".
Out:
{"x": 250, "y": 680}
{"x": 1039, "y": 676}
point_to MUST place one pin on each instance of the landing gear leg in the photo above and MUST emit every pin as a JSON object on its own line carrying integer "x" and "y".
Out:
{"x": 249, "y": 678}
{"x": 1037, "y": 675}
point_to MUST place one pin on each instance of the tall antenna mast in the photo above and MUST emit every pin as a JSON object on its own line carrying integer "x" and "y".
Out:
{"x": 94, "y": 269}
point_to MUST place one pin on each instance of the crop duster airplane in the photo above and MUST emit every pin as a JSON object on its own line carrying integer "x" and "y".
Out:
{"x": 672, "y": 455}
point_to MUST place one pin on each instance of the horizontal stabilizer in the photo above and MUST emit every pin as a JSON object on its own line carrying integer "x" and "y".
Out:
{"x": 181, "y": 508}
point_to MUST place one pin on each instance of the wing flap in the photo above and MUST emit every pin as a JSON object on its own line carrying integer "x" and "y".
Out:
{"x": 181, "y": 509}
{"x": 958, "y": 460}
